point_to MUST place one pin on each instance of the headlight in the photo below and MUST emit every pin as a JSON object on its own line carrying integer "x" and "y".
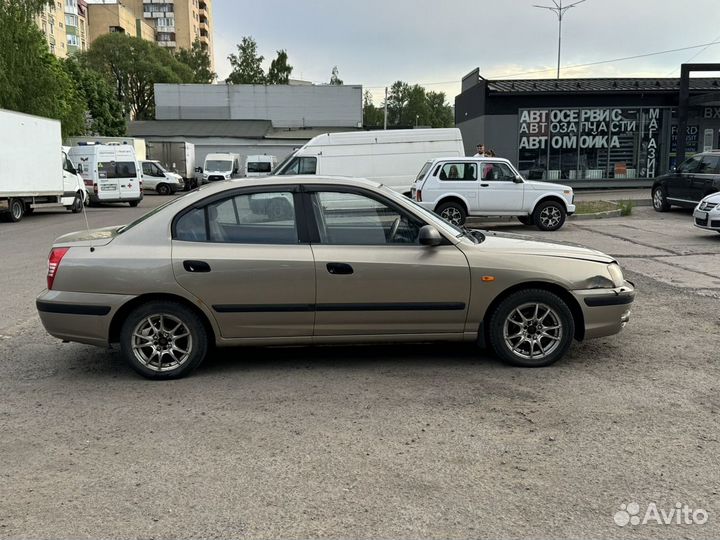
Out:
{"x": 599, "y": 282}
{"x": 616, "y": 274}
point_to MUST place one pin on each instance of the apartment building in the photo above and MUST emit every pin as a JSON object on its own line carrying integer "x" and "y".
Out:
{"x": 65, "y": 26}
{"x": 107, "y": 16}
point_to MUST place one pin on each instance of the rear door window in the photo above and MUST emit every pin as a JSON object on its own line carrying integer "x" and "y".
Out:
{"x": 709, "y": 165}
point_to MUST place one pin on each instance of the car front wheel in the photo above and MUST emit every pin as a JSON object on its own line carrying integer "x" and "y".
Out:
{"x": 163, "y": 189}
{"x": 549, "y": 216}
{"x": 163, "y": 340}
{"x": 659, "y": 200}
{"x": 452, "y": 212}
{"x": 531, "y": 328}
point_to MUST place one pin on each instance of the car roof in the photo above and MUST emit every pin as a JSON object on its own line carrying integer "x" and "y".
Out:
{"x": 217, "y": 187}
{"x": 471, "y": 158}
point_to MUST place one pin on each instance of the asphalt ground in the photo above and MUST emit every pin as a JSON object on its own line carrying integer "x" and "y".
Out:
{"x": 439, "y": 441}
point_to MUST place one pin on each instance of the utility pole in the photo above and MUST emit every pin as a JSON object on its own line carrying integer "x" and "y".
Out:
{"x": 559, "y": 10}
{"x": 385, "y": 126}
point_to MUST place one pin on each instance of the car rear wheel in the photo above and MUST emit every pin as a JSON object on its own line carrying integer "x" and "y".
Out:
{"x": 453, "y": 212}
{"x": 531, "y": 328}
{"x": 549, "y": 216}
{"x": 659, "y": 200}
{"x": 163, "y": 189}
{"x": 163, "y": 340}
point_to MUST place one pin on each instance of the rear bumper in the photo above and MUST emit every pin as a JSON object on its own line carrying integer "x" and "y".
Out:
{"x": 606, "y": 311}
{"x": 80, "y": 317}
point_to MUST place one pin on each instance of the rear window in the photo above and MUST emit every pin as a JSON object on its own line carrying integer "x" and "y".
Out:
{"x": 117, "y": 169}
{"x": 259, "y": 167}
{"x": 423, "y": 171}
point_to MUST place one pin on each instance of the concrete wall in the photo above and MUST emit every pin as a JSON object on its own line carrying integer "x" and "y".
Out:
{"x": 286, "y": 106}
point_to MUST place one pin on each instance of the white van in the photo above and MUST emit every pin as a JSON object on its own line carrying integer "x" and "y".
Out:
{"x": 391, "y": 157}
{"x": 110, "y": 172}
{"x": 259, "y": 165}
{"x": 220, "y": 166}
{"x": 157, "y": 178}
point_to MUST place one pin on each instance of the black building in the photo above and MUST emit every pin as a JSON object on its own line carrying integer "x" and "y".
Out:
{"x": 587, "y": 132}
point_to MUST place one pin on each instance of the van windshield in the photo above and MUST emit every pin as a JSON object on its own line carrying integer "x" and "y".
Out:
{"x": 284, "y": 162}
{"x": 218, "y": 165}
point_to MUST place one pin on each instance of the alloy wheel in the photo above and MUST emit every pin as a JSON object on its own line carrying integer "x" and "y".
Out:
{"x": 657, "y": 199}
{"x": 161, "y": 342}
{"x": 550, "y": 217}
{"x": 452, "y": 215}
{"x": 533, "y": 331}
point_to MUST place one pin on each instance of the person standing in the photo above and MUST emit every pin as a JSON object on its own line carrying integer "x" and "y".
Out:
{"x": 480, "y": 150}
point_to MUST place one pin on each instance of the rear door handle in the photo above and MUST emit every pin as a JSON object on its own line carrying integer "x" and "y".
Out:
{"x": 339, "y": 268}
{"x": 196, "y": 266}
{"x": 484, "y": 185}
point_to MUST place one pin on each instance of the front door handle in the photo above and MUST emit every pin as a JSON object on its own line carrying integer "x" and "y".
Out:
{"x": 339, "y": 268}
{"x": 484, "y": 185}
{"x": 196, "y": 266}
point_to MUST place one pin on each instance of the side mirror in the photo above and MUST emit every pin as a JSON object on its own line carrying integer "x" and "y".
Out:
{"x": 518, "y": 179}
{"x": 429, "y": 236}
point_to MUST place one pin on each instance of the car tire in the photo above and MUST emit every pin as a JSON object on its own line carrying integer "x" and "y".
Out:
{"x": 521, "y": 336}
{"x": 453, "y": 212}
{"x": 659, "y": 200}
{"x": 77, "y": 204}
{"x": 16, "y": 210}
{"x": 163, "y": 189}
{"x": 169, "y": 329}
{"x": 133, "y": 204}
{"x": 525, "y": 220}
{"x": 549, "y": 215}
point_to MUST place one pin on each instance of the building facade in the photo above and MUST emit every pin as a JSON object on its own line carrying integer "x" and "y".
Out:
{"x": 107, "y": 16}
{"x": 64, "y": 25}
{"x": 587, "y": 131}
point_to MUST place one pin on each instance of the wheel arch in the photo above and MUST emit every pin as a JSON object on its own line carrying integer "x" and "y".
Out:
{"x": 122, "y": 313}
{"x": 554, "y": 288}
{"x": 549, "y": 197}
{"x": 453, "y": 197}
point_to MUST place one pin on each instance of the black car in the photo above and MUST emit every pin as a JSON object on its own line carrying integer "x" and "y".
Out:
{"x": 689, "y": 182}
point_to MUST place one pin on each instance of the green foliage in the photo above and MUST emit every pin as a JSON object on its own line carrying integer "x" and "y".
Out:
{"x": 197, "y": 59}
{"x": 31, "y": 79}
{"x": 106, "y": 116}
{"x": 373, "y": 117}
{"x": 133, "y": 66}
{"x": 626, "y": 207}
{"x": 280, "y": 70}
{"x": 335, "y": 79}
{"x": 409, "y": 106}
{"x": 246, "y": 64}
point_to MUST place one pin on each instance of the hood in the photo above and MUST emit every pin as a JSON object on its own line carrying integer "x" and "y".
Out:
{"x": 525, "y": 245}
{"x": 90, "y": 237}
{"x": 545, "y": 186}
{"x": 712, "y": 198}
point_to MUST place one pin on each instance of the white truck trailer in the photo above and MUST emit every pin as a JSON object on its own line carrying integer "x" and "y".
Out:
{"x": 34, "y": 170}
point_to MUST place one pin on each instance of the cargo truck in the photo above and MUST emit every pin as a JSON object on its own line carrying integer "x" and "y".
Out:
{"x": 176, "y": 157}
{"x": 34, "y": 171}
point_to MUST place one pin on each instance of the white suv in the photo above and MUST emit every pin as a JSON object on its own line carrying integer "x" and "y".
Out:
{"x": 456, "y": 188}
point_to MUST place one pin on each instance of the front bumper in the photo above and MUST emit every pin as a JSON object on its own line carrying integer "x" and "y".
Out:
{"x": 710, "y": 221}
{"x": 80, "y": 317}
{"x": 606, "y": 311}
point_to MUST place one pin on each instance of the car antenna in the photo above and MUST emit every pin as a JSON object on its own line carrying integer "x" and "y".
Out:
{"x": 87, "y": 223}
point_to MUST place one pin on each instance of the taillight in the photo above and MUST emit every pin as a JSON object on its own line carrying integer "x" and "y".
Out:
{"x": 56, "y": 255}
{"x": 418, "y": 195}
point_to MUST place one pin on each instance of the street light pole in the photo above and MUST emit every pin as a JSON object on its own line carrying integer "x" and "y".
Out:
{"x": 559, "y": 10}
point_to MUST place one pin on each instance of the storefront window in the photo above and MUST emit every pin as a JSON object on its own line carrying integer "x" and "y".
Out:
{"x": 589, "y": 144}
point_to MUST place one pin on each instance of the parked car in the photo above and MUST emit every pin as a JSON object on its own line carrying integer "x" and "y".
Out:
{"x": 355, "y": 262}
{"x": 390, "y": 157}
{"x": 110, "y": 172}
{"x": 158, "y": 179}
{"x": 707, "y": 213}
{"x": 455, "y": 188}
{"x": 688, "y": 183}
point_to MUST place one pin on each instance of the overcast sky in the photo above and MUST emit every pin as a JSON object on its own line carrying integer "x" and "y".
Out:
{"x": 376, "y": 42}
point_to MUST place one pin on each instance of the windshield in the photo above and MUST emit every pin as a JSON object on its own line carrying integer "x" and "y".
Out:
{"x": 423, "y": 171}
{"x": 153, "y": 212}
{"x": 259, "y": 167}
{"x": 284, "y": 162}
{"x": 159, "y": 166}
{"x": 218, "y": 165}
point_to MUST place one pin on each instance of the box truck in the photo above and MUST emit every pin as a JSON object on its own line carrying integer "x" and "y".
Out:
{"x": 391, "y": 157}
{"x": 175, "y": 157}
{"x": 34, "y": 171}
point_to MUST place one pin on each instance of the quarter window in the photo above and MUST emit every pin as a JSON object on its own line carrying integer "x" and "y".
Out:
{"x": 258, "y": 218}
{"x": 458, "y": 171}
{"x": 354, "y": 219}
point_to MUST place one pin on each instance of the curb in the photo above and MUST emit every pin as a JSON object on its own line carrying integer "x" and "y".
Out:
{"x": 596, "y": 215}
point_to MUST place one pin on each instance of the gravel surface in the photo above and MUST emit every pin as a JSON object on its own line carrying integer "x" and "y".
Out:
{"x": 438, "y": 441}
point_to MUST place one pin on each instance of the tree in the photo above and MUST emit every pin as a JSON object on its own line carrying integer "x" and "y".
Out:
{"x": 373, "y": 117}
{"x": 397, "y": 102}
{"x": 441, "y": 114}
{"x": 197, "y": 59}
{"x": 246, "y": 64}
{"x": 105, "y": 111}
{"x": 133, "y": 66}
{"x": 410, "y": 106}
{"x": 335, "y": 79}
{"x": 32, "y": 80}
{"x": 280, "y": 70}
